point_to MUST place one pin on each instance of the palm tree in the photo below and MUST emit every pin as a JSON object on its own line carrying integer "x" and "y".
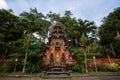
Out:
{"x": 33, "y": 22}
{"x": 26, "y": 46}
{"x": 84, "y": 44}
{"x": 117, "y": 37}
{"x": 86, "y": 27}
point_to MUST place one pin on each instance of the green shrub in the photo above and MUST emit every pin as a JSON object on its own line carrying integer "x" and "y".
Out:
{"x": 102, "y": 67}
{"x": 1, "y": 68}
{"x": 78, "y": 68}
{"x": 11, "y": 63}
{"x": 113, "y": 66}
{"x": 34, "y": 68}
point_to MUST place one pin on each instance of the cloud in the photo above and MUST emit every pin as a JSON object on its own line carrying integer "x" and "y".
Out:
{"x": 18, "y": 6}
{"x": 93, "y": 10}
{"x": 3, "y": 4}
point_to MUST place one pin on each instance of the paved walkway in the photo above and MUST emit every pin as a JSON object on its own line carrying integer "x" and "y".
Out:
{"x": 90, "y": 77}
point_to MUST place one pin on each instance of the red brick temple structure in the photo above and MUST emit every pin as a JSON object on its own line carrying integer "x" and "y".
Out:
{"x": 57, "y": 58}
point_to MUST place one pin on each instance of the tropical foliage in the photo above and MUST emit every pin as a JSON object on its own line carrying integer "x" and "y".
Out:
{"x": 109, "y": 32}
{"x": 25, "y": 37}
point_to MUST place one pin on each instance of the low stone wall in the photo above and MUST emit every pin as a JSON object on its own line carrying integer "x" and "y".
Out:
{"x": 104, "y": 61}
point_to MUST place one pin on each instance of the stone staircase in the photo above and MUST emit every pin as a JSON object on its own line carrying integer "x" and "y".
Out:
{"x": 57, "y": 72}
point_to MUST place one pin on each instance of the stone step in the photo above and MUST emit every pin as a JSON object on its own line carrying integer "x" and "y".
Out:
{"x": 57, "y": 66}
{"x": 57, "y": 69}
{"x": 56, "y": 77}
{"x": 57, "y": 74}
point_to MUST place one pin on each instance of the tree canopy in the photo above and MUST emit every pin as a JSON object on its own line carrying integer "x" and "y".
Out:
{"x": 28, "y": 33}
{"x": 109, "y": 31}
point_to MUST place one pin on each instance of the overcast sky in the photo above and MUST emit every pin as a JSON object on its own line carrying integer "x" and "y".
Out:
{"x": 93, "y": 10}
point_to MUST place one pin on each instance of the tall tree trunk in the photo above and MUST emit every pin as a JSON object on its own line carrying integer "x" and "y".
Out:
{"x": 25, "y": 60}
{"x": 4, "y": 54}
{"x": 108, "y": 58}
{"x": 3, "y": 57}
{"x": 26, "y": 46}
{"x": 86, "y": 70}
{"x": 113, "y": 52}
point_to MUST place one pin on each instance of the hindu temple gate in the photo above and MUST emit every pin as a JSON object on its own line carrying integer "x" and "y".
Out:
{"x": 57, "y": 58}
